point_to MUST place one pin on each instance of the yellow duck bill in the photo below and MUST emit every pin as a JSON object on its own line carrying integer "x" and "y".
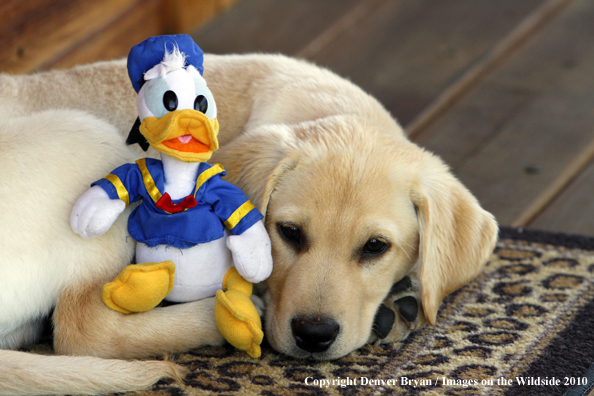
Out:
{"x": 187, "y": 135}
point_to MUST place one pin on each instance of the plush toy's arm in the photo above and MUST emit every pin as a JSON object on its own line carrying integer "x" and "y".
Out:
{"x": 94, "y": 213}
{"x": 252, "y": 253}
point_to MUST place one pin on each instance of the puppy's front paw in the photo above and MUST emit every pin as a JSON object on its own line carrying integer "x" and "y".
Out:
{"x": 399, "y": 314}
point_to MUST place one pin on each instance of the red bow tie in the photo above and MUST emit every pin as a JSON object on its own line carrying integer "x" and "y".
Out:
{"x": 168, "y": 206}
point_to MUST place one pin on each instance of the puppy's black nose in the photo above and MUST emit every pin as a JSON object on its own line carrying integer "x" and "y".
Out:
{"x": 314, "y": 335}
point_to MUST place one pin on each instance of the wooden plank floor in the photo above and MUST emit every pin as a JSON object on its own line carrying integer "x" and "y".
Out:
{"x": 503, "y": 91}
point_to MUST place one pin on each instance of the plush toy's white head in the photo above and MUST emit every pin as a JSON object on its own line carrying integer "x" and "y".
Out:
{"x": 177, "y": 111}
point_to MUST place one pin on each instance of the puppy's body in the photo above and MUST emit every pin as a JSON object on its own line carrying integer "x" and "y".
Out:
{"x": 45, "y": 162}
{"x": 310, "y": 149}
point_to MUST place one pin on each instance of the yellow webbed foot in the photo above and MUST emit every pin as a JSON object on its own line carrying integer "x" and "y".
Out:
{"x": 236, "y": 316}
{"x": 139, "y": 287}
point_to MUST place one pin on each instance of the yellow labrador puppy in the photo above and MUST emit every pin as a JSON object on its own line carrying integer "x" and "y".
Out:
{"x": 369, "y": 231}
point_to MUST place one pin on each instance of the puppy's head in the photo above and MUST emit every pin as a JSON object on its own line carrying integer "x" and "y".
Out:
{"x": 369, "y": 233}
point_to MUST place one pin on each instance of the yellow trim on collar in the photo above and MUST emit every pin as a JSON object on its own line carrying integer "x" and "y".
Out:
{"x": 119, "y": 186}
{"x": 153, "y": 191}
{"x": 239, "y": 214}
{"x": 148, "y": 181}
{"x": 207, "y": 174}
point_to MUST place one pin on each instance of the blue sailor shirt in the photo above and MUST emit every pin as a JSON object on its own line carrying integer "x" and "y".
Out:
{"x": 220, "y": 204}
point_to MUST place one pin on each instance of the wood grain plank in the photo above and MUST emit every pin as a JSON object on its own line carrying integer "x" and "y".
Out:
{"x": 115, "y": 40}
{"x": 182, "y": 16}
{"x": 526, "y": 124}
{"x": 557, "y": 187}
{"x": 270, "y": 25}
{"x": 529, "y": 27}
{"x": 33, "y": 32}
{"x": 348, "y": 21}
{"x": 407, "y": 52}
{"x": 573, "y": 211}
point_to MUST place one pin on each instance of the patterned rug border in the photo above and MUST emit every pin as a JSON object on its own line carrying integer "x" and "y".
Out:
{"x": 583, "y": 390}
{"x": 571, "y": 241}
{"x": 577, "y": 337}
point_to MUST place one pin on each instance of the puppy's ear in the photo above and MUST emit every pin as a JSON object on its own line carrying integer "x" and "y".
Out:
{"x": 257, "y": 161}
{"x": 457, "y": 236}
{"x": 287, "y": 164}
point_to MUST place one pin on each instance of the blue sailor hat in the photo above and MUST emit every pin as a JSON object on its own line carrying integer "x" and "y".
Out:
{"x": 150, "y": 52}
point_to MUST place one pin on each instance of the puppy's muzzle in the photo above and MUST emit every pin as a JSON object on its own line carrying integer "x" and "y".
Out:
{"x": 314, "y": 335}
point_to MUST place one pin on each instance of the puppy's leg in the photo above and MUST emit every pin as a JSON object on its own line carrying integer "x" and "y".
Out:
{"x": 85, "y": 326}
{"x": 29, "y": 374}
{"x": 26, "y": 333}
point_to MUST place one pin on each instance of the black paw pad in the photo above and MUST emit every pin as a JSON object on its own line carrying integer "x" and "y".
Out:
{"x": 383, "y": 322}
{"x": 408, "y": 308}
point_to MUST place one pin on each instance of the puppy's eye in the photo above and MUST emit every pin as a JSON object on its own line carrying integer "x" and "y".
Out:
{"x": 201, "y": 104}
{"x": 170, "y": 100}
{"x": 290, "y": 232}
{"x": 374, "y": 247}
{"x": 292, "y": 235}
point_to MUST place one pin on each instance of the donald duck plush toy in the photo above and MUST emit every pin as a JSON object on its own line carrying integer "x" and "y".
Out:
{"x": 196, "y": 233}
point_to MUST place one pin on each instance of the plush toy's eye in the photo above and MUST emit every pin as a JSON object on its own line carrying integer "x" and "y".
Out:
{"x": 201, "y": 104}
{"x": 170, "y": 100}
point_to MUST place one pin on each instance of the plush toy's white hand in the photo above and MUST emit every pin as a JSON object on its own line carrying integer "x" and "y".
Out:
{"x": 252, "y": 254}
{"x": 94, "y": 213}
